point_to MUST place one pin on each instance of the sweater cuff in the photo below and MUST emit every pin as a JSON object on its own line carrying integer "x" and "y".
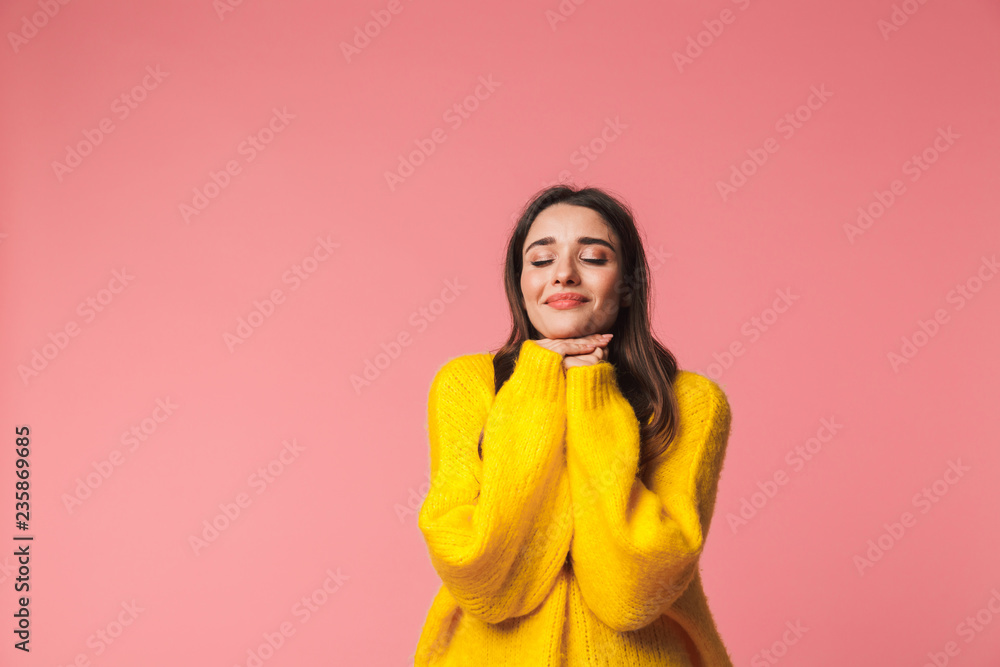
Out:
{"x": 539, "y": 370}
{"x": 590, "y": 387}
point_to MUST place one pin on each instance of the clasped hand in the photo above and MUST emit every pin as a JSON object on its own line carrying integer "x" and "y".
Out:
{"x": 585, "y": 351}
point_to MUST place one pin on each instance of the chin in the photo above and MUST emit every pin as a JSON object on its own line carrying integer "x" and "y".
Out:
{"x": 565, "y": 332}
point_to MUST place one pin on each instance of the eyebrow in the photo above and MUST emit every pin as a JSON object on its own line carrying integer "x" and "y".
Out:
{"x": 583, "y": 240}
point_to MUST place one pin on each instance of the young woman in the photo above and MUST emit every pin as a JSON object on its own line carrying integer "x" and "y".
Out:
{"x": 574, "y": 471}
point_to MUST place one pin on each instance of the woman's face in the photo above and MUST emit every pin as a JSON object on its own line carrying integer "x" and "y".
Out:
{"x": 571, "y": 249}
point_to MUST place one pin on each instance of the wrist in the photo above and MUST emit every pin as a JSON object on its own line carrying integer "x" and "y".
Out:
{"x": 539, "y": 370}
{"x": 590, "y": 386}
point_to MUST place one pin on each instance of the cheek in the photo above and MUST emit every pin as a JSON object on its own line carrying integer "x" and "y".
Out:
{"x": 528, "y": 293}
{"x": 608, "y": 300}
{"x": 531, "y": 287}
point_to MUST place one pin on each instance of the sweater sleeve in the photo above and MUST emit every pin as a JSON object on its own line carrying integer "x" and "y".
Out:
{"x": 636, "y": 543}
{"x": 498, "y": 544}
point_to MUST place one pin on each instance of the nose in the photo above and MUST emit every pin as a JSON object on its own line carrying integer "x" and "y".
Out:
{"x": 565, "y": 271}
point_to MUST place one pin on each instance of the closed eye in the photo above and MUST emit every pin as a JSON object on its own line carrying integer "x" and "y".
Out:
{"x": 549, "y": 261}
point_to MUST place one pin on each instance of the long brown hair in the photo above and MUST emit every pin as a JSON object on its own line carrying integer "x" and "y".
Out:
{"x": 644, "y": 368}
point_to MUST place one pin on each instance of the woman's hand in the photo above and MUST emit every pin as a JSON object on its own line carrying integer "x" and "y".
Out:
{"x": 585, "y": 351}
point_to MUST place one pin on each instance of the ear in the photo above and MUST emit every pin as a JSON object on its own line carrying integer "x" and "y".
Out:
{"x": 626, "y": 299}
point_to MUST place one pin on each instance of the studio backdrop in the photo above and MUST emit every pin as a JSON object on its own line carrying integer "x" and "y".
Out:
{"x": 239, "y": 238}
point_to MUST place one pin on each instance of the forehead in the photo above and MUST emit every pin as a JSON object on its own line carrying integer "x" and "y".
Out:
{"x": 566, "y": 222}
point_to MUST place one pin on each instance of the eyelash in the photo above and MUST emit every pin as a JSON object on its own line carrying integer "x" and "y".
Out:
{"x": 592, "y": 261}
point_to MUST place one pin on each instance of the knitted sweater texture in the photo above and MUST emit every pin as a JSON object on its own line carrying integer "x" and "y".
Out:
{"x": 551, "y": 550}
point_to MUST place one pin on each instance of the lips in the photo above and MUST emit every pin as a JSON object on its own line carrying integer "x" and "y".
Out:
{"x": 566, "y": 296}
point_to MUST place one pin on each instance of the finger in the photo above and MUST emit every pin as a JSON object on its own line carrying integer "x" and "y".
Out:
{"x": 599, "y": 339}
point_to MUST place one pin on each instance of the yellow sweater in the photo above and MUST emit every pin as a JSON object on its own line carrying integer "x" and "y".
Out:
{"x": 551, "y": 550}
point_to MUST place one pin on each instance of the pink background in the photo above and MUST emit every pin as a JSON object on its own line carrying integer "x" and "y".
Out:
{"x": 343, "y": 503}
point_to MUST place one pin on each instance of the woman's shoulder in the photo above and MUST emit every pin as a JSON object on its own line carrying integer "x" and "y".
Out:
{"x": 467, "y": 373}
{"x": 697, "y": 393}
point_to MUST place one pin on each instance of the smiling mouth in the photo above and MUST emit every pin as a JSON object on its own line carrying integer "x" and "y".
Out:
{"x": 562, "y": 304}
